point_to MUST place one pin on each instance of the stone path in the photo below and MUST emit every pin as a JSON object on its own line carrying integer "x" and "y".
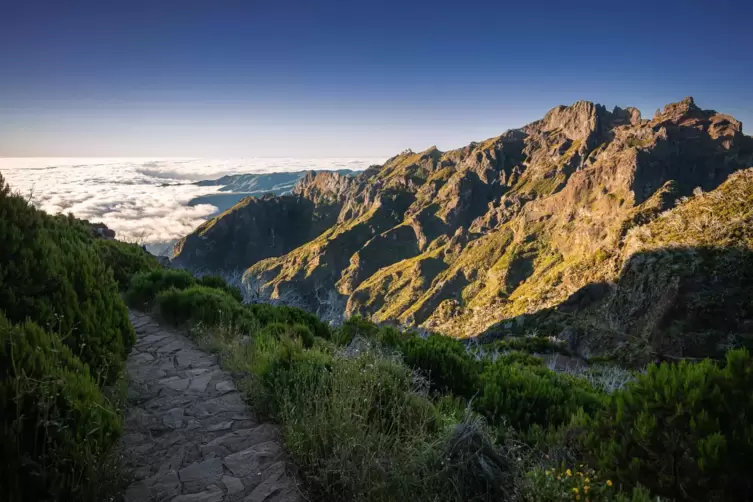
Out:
{"x": 189, "y": 436}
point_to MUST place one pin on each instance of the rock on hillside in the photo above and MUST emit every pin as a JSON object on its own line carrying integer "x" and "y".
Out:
{"x": 457, "y": 241}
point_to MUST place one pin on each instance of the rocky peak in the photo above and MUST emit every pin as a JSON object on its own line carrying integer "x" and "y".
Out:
{"x": 683, "y": 110}
{"x": 576, "y": 121}
{"x": 323, "y": 186}
{"x": 629, "y": 115}
{"x": 723, "y": 129}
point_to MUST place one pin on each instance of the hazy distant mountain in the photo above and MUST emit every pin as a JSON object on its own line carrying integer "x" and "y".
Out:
{"x": 239, "y": 186}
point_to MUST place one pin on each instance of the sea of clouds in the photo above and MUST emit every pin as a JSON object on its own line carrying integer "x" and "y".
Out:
{"x": 143, "y": 200}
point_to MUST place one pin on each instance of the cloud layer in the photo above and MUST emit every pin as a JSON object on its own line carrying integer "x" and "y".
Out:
{"x": 143, "y": 200}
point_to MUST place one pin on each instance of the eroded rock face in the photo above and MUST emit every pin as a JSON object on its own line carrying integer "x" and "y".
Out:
{"x": 252, "y": 230}
{"x": 456, "y": 241}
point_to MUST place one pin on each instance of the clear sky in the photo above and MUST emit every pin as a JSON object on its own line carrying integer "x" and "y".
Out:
{"x": 223, "y": 78}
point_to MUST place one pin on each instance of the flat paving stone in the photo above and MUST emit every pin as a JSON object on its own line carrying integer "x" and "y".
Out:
{"x": 189, "y": 436}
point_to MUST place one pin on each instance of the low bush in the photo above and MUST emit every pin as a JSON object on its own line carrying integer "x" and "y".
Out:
{"x": 208, "y": 306}
{"x": 355, "y": 326}
{"x": 445, "y": 361}
{"x": 183, "y": 300}
{"x": 50, "y": 274}
{"x": 525, "y": 395}
{"x": 683, "y": 430}
{"x": 145, "y": 286}
{"x": 390, "y": 336}
{"x": 289, "y": 315}
{"x": 217, "y": 282}
{"x": 519, "y": 357}
{"x": 56, "y": 428}
{"x": 280, "y": 330}
{"x": 124, "y": 259}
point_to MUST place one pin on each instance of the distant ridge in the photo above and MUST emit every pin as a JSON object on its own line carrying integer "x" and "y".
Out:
{"x": 238, "y": 186}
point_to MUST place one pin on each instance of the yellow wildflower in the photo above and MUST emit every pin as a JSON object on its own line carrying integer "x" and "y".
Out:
{"x": 586, "y": 480}
{"x": 609, "y": 482}
{"x": 546, "y": 472}
{"x": 569, "y": 472}
{"x": 585, "y": 489}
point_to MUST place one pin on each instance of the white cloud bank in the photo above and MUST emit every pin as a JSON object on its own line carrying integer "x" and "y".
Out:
{"x": 143, "y": 200}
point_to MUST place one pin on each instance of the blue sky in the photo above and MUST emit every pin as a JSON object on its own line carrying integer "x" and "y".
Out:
{"x": 352, "y": 78}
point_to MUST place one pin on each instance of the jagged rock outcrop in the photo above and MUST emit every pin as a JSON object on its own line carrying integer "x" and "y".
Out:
{"x": 457, "y": 241}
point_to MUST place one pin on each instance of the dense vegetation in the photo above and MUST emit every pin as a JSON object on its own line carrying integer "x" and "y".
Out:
{"x": 124, "y": 259}
{"x": 684, "y": 430}
{"x": 371, "y": 412}
{"x": 64, "y": 336}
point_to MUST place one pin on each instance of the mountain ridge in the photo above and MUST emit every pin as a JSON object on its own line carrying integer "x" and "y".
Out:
{"x": 457, "y": 241}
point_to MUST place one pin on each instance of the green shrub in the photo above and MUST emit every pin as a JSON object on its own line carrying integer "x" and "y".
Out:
{"x": 445, "y": 361}
{"x": 390, "y": 336}
{"x": 357, "y": 430}
{"x": 355, "y": 326}
{"x": 279, "y": 330}
{"x": 289, "y": 315}
{"x": 521, "y": 358}
{"x": 124, "y": 259}
{"x": 302, "y": 332}
{"x": 684, "y": 430}
{"x": 50, "y": 274}
{"x": 524, "y": 395}
{"x": 56, "y": 428}
{"x": 145, "y": 286}
{"x": 217, "y": 282}
{"x": 208, "y": 306}
{"x": 211, "y": 306}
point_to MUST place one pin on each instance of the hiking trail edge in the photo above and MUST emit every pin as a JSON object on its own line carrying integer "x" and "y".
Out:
{"x": 189, "y": 436}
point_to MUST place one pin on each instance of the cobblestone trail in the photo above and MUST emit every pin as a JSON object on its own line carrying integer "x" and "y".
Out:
{"x": 189, "y": 436}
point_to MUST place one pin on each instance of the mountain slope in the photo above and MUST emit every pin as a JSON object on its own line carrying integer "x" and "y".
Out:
{"x": 682, "y": 290}
{"x": 256, "y": 228}
{"x": 457, "y": 241}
